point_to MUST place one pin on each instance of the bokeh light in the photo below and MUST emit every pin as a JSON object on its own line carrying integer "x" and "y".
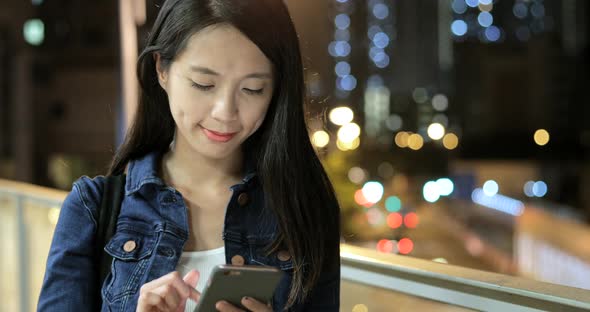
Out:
{"x": 436, "y": 131}
{"x": 490, "y": 188}
{"x": 393, "y": 204}
{"x": 34, "y": 31}
{"x": 540, "y": 188}
{"x": 541, "y": 137}
{"x": 415, "y": 141}
{"x": 341, "y": 115}
{"x": 401, "y": 139}
{"x": 394, "y": 220}
{"x": 450, "y": 141}
{"x": 360, "y": 308}
{"x": 373, "y": 191}
{"x": 411, "y": 220}
{"x": 430, "y": 192}
{"x": 445, "y": 186}
{"x": 320, "y": 138}
{"x": 349, "y": 132}
{"x": 385, "y": 245}
{"x": 357, "y": 175}
{"x": 405, "y": 246}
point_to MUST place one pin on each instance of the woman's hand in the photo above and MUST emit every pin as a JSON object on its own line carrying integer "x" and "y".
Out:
{"x": 250, "y": 303}
{"x": 168, "y": 293}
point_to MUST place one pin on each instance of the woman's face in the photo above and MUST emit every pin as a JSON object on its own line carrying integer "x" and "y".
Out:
{"x": 219, "y": 89}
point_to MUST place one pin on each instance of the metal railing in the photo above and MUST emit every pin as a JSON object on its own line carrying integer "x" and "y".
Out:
{"x": 371, "y": 281}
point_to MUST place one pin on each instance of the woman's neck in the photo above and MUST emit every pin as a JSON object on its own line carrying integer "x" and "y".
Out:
{"x": 182, "y": 166}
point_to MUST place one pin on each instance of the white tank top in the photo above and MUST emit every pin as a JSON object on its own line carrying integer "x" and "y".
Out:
{"x": 202, "y": 261}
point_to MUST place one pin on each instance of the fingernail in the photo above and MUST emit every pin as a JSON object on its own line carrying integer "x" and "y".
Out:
{"x": 246, "y": 298}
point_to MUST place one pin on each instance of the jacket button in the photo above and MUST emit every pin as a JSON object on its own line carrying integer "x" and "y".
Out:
{"x": 243, "y": 199}
{"x": 237, "y": 260}
{"x": 284, "y": 255}
{"x": 129, "y": 246}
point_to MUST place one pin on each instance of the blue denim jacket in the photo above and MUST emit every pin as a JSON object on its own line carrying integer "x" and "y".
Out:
{"x": 154, "y": 217}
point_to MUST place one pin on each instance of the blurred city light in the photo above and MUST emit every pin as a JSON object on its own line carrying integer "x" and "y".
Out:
{"x": 34, "y": 31}
{"x": 436, "y": 131}
{"x": 349, "y": 132}
{"x": 415, "y": 141}
{"x": 342, "y": 21}
{"x": 394, "y": 122}
{"x": 393, "y": 204}
{"x": 493, "y": 33}
{"x": 540, "y": 189}
{"x": 394, "y": 220}
{"x": 342, "y": 69}
{"x": 346, "y": 83}
{"x": 431, "y": 192}
{"x": 405, "y": 246}
{"x": 440, "y": 102}
{"x": 459, "y": 6}
{"x": 485, "y": 19}
{"x": 320, "y": 138}
{"x": 360, "y": 199}
{"x": 411, "y": 220}
{"x": 445, "y": 186}
{"x": 348, "y": 146}
{"x": 490, "y": 188}
{"x": 520, "y": 10}
{"x": 401, "y": 139}
{"x": 459, "y": 27}
{"x": 341, "y": 115}
{"x": 381, "y": 11}
{"x": 498, "y": 202}
{"x": 541, "y": 137}
{"x": 357, "y": 175}
{"x": 528, "y": 189}
{"x": 375, "y": 217}
{"x": 385, "y": 245}
{"x": 450, "y": 141}
{"x": 420, "y": 95}
{"x": 373, "y": 191}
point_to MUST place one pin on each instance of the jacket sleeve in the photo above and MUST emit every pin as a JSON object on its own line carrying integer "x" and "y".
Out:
{"x": 70, "y": 281}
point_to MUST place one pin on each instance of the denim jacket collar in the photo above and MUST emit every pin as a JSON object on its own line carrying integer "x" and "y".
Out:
{"x": 144, "y": 171}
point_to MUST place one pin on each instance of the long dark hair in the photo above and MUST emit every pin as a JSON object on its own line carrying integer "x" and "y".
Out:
{"x": 296, "y": 187}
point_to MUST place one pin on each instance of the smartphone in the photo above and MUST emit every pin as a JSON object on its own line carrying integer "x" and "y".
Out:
{"x": 232, "y": 282}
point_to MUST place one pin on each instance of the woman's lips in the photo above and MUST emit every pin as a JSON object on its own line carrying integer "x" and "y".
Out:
{"x": 218, "y": 136}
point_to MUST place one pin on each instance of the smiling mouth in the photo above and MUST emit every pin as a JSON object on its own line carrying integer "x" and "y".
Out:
{"x": 218, "y": 136}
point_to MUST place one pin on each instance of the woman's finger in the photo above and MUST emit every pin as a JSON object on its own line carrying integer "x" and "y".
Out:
{"x": 147, "y": 301}
{"x": 191, "y": 279}
{"x": 255, "y": 305}
{"x": 171, "y": 296}
{"x": 225, "y": 306}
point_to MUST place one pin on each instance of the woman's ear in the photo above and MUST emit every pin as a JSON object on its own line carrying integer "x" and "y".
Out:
{"x": 160, "y": 71}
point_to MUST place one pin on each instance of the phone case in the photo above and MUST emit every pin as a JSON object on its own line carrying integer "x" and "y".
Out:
{"x": 231, "y": 283}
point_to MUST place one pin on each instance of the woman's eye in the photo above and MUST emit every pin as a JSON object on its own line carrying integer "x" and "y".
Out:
{"x": 201, "y": 87}
{"x": 252, "y": 91}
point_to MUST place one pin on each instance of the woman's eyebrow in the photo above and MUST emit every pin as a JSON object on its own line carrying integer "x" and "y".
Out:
{"x": 208, "y": 71}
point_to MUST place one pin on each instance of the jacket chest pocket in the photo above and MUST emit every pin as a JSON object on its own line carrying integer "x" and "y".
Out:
{"x": 280, "y": 258}
{"x": 131, "y": 251}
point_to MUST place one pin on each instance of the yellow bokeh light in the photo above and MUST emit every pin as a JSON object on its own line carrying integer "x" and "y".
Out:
{"x": 320, "y": 138}
{"x": 360, "y": 308}
{"x": 401, "y": 139}
{"x": 348, "y": 146}
{"x": 349, "y": 132}
{"x": 436, "y": 131}
{"x": 541, "y": 137}
{"x": 415, "y": 141}
{"x": 341, "y": 115}
{"x": 450, "y": 141}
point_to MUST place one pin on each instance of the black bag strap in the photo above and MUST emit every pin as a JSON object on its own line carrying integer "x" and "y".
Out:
{"x": 110, "y": 206}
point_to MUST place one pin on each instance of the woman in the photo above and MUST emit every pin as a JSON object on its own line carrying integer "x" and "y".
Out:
{"x": 219, "y": 169}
